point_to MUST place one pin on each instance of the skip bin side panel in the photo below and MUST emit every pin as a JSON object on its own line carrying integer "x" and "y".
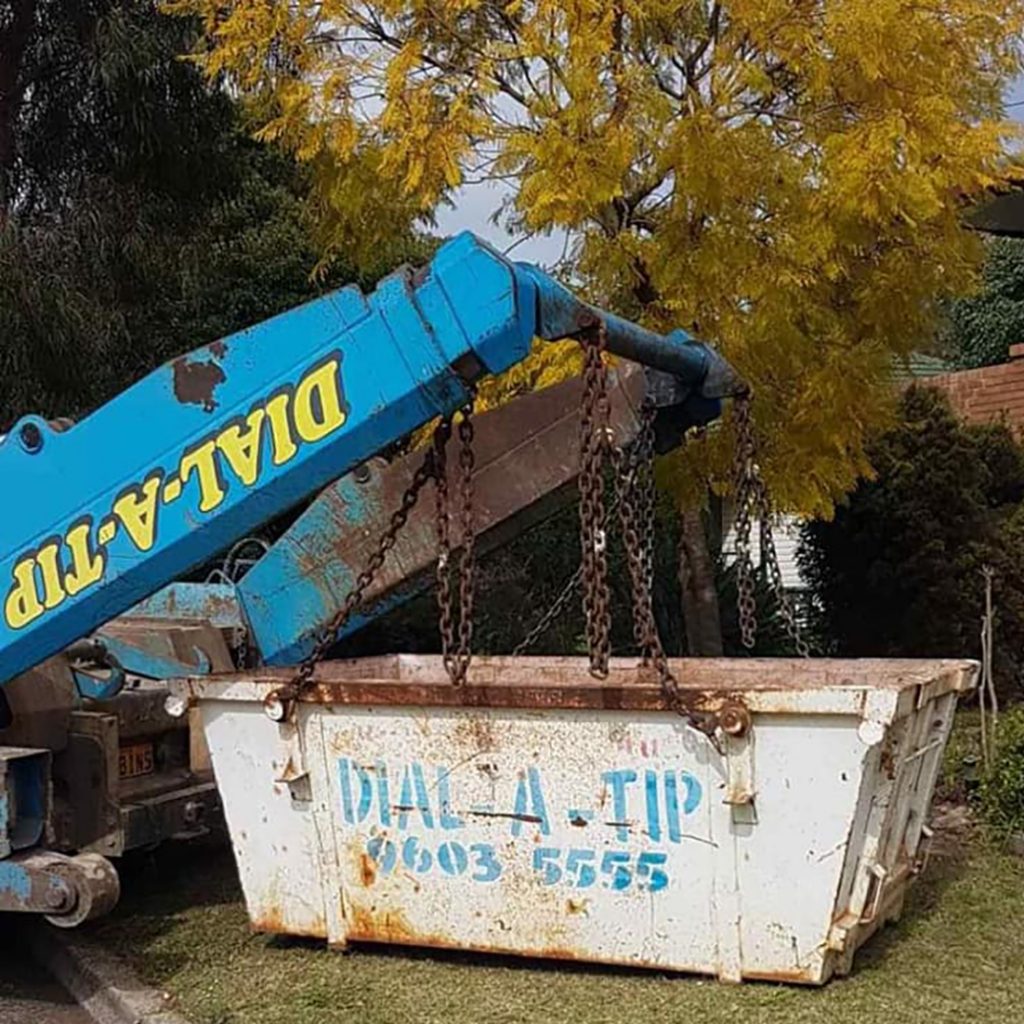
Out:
{"x": 569, "y": 834}
{"x": 270, "y": 820}
{"x": 791, "y": 850}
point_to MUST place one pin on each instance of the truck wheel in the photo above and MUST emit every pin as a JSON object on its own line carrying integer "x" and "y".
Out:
{"x": 94, "y": 884}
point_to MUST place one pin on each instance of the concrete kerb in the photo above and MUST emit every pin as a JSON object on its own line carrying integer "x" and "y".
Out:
{"x": 102, "y": 984}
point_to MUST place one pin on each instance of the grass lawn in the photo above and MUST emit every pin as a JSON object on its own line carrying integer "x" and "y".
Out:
{"x": 957, "y": 956}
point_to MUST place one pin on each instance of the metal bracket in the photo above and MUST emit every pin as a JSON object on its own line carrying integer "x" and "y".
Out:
{"x": 121, "y": 659}
{"x": 740, "y": 785}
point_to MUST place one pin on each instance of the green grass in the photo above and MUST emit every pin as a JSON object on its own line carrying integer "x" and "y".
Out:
{"x": 957, "y": 956}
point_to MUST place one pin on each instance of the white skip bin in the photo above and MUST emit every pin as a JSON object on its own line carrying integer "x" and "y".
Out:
{"x": 537, "y": 811}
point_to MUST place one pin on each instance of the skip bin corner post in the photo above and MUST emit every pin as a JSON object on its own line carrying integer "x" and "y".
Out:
{"x": 319, "y": 790}
{"x": 898, "y": 778}
{"x": 738, "y": 819}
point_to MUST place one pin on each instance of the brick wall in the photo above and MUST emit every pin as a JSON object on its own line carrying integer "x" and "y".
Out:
{"x": 991, "y": 394}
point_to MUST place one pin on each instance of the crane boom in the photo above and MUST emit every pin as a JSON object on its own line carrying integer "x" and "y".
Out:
{"x": 213, "y": 444}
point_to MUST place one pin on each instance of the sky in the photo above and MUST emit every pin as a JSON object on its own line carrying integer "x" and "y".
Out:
{"x": 473, "y": 209}
{"x": 475, "y": 205}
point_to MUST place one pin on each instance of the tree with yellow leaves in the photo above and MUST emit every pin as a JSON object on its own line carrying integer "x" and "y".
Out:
{"x": 782, "y": 177}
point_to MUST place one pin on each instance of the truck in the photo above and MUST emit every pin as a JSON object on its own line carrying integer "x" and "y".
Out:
{"x": 296, "y": 417}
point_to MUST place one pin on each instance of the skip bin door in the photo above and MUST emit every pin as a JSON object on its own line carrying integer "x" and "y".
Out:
{"x": 572, "y": 834}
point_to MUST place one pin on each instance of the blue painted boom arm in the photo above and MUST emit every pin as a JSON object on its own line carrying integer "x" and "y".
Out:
{"x": 214, "y": 444}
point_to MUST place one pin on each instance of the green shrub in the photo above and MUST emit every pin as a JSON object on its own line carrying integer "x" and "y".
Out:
{"x": 1002, "y": 788}
{"x": 898, "y": 572}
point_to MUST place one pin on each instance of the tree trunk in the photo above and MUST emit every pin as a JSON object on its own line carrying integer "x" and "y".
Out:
{"x": 697, "y": 581}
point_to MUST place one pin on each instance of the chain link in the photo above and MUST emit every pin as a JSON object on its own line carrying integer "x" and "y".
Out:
{"x": 595, "y": 449}
{"x": 561, "y": 602}
{"x": 745, "y": 487}
{"x": 753, "y": 502}
{"x": 456, "y": 643}
{"x": 425, "y": 472}
{"x": 558, "y": 606}
{"x": 635, "y": 499}
{"x": 635, "y": 490}
{"x": 456, "y": 652}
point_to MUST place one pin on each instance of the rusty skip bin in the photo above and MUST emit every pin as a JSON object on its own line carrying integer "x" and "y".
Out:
{"x": 539, "y": 812}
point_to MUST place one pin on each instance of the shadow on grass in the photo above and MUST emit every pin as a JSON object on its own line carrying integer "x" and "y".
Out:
{"x": 453, "y": 957}
{"x": 178, "y": 876}
{"x": 159, "y": 887}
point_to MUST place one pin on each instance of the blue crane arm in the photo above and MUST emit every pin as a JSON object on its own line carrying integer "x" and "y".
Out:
{"x": 213, "y": 444}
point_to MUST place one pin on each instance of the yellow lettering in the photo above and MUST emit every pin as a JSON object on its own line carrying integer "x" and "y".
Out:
{"x": 137, "y": 510}
{"x": 242, "y": 448}
{"x": 204, "y": 461}
{"x": 23, "y": 605}
{"x": 316, "y": 408}
{"x": 87, "y": 566}
{"x": 284, "y": 446}
{"x": 49, "y": 568}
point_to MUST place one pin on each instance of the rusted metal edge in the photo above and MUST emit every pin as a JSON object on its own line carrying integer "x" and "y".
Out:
{"x": 563, "y": 683}
{"x": 720, "y": 674}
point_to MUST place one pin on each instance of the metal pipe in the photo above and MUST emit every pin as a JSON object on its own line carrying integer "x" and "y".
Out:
{"x": 560, "y": 314}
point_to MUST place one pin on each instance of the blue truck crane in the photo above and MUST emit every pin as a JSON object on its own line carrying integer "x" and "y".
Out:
{"x": 104, "y": 516}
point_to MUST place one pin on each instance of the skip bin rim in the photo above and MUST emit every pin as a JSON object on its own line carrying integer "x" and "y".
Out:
{"x": 883, "y": 689}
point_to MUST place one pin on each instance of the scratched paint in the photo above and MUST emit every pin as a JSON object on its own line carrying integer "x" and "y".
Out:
{"x": 412, "y": 802}
{"x": 15, "y": 881}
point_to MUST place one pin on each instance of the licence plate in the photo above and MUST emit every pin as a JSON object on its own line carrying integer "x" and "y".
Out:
{"x": 135, "y": 760}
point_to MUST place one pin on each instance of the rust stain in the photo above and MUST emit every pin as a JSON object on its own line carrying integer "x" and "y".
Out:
{"x": 218, "y": 348}
{"x": 476, "y": 731}
{"x": 271, "y": 921}
{"x": 579, "y": 821}
{"x": 367, "y": 869}
{"x": 195, "y": 382}
{"x": 807, "y": 976}
{"x": 554, "y": 953}
{"x": 388, "y": 926}
{"x": 369, "y": 925}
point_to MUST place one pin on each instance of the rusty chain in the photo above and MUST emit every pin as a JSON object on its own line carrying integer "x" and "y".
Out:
{"x": 433, "y": 467}
{"x": 753, "y": 502}
{"x": 595, "y": 449}
{"x": 635, "y": 499}
{"x": 745, "y": 486}
{"x": 561, "y": 602}
{"x": 635, "y": 490}
{"x": 456, "y": 651}
{"x": 543, "y": 624}
{"x": 327, "y": 638}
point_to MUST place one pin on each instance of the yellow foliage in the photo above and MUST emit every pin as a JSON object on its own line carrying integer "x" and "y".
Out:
{"x": 782, "y": 177}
